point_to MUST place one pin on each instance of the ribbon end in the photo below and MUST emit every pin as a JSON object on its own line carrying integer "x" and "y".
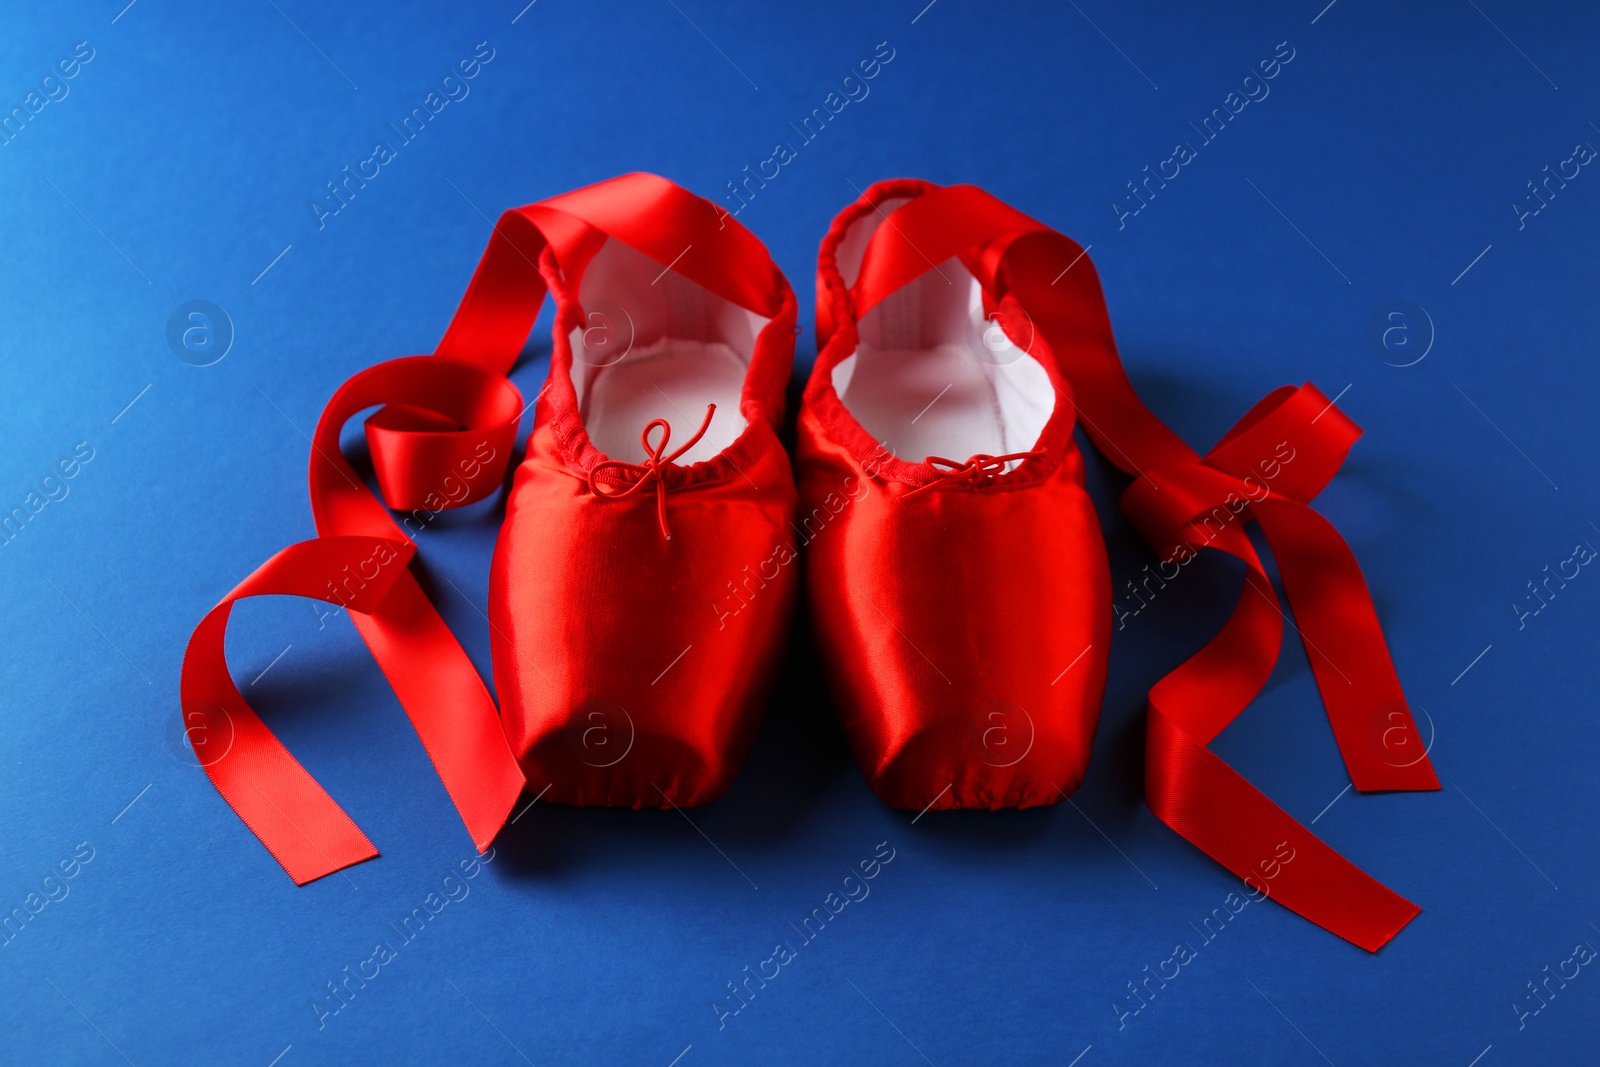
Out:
{"x": 305, "y": 875}
{"x": 485, "y": 822}
{"x": 1373, "y": 942}
{"x": 1417, "y": 778}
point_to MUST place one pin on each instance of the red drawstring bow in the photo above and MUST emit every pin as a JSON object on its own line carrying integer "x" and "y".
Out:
{"x": 651, "y": 469}
{"x": 975, "y": 471}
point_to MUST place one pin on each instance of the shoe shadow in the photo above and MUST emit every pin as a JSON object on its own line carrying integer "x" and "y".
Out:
{"x": 798, "y": 753}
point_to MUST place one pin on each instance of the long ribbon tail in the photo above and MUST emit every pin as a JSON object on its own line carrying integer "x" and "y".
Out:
{"x": 278, "y": 800}
{"x": 1192, "y": 790}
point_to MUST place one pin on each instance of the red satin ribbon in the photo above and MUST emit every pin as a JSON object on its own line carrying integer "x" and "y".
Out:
{"x": 1182, "y": 502}
{"x": 445, "y": 420}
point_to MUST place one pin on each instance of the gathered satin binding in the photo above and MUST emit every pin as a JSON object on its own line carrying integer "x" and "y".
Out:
{"x": 963, "y": 608}
{"x": 620, "y": 680}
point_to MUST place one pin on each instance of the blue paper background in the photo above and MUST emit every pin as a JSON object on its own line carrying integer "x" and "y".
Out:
{"x": 179, "y": 167}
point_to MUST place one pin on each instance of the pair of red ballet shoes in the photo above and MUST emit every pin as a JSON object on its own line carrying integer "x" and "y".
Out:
{"x": 657, "y": 530}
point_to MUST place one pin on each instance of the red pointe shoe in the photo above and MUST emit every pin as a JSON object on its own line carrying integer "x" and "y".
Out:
{"x": 641, "y": 589}
{"x": 956, "y": 572}
{"x": 642, "y": 586}
{"x": 962, "y": 604}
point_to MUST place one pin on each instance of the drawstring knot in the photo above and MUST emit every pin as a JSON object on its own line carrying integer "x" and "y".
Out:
{"x": 977, "y": 470}
{"x": 651, "y": 470}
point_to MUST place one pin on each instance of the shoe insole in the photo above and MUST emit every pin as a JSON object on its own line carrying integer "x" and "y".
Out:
{"x": 931, "y": 402}
{"x": 674, "y": 380}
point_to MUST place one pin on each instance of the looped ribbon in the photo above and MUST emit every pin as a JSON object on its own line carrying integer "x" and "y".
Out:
{"x": 442, "y": 437}
{"x": 977, "y": 469}
{"x": 360, "y": 562}
{"x": 652, "y": 470}
{"x": 1266, "y": 469}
